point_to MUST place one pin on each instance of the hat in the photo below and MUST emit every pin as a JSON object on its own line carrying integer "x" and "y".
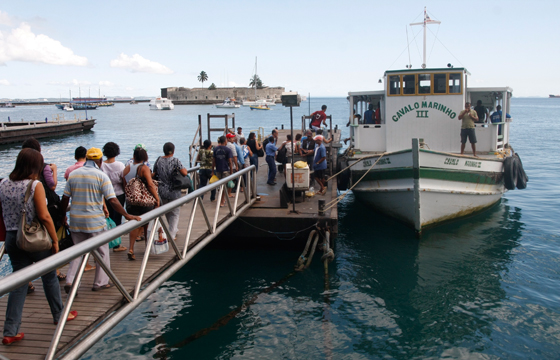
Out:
{"x": 229, "y": 136}
{"x": 94, "y": 154}
{"x": 140, "y": 146}
{"x": 319, "y": 137}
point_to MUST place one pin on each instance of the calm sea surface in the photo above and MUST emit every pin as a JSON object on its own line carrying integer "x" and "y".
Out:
{"x": 484, "y": 287}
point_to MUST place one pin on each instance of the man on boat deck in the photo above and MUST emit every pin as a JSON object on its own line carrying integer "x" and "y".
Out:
{"x": 468, "y": 117}
{"x": 319, "y": 117}
{"x": 369, "y": 115}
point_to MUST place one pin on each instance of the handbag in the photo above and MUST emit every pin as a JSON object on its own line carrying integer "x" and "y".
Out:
{"x": 32, "y": 237}
{"x": 111, "y": 225}
{"x": 2, "y": 225}
{"x": 160, "y": 244}
{"x": 137, "y": 194}
{"x": 181, "y": 182}
{"x": 64, "y": 238}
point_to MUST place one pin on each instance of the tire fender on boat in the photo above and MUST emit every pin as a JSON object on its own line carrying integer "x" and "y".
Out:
{"x": 511, "y": 165}
{"x": 522, "y": 177}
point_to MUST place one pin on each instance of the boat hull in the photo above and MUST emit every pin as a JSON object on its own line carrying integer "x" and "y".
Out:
{"x": 430, "y": 188}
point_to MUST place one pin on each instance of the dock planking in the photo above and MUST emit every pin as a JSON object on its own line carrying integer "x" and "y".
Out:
{"x": 94, "y": 306}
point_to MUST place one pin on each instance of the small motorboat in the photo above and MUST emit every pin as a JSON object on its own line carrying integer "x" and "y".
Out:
{"x": 161, "y": 104}
{"x": 260, "y": 107}
{"x": 68, "y": 107}
{"x": 228, "y": 103}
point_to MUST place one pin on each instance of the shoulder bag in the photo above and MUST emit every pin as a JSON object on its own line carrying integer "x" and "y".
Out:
{"x": 181, "y": 182}
{"x": 137, "y": 193}
{"x": 32, "y": 237}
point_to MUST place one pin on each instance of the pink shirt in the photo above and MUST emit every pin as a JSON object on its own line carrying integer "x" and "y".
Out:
{"x": 79, "y": 164}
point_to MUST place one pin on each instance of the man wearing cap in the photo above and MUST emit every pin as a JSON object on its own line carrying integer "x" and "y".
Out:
{"x": 88, "y": 186}
{"x": 320, "y": 163}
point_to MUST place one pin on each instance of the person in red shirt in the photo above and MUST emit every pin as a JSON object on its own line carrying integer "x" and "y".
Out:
{"x": 319, "y": 117}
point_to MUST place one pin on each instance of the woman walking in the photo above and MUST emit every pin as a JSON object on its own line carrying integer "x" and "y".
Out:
{"x": 255, "y": 147}
{"x": 114, "y": 170}
{"x": 164, "y": 169}
{"x": 139, "y": 169}
{"x": 206, "y": 171}
{"x": 29, "y": 164}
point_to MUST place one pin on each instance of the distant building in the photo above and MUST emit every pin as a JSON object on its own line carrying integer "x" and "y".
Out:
{"x": 181, "y": 95}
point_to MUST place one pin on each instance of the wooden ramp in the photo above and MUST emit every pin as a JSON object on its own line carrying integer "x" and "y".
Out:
{"x": 93, "y": 307}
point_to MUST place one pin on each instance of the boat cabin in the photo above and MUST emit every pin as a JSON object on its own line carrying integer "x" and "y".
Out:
{"x": 425, "y": 104}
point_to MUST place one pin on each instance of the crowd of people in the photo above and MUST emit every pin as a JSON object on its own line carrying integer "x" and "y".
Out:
{"x": 95, "y": 191}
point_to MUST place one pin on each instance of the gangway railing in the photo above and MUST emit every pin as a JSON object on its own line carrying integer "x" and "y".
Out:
{"x": 241, "y": 201}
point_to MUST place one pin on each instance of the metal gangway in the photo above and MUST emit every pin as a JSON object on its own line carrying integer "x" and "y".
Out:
{"x": 204, "y": 220}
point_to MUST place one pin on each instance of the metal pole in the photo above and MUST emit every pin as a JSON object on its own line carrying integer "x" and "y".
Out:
{"x": 292, "y": 174}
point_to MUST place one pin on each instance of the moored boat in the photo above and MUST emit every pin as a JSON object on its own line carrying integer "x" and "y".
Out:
{"x": 7, "y": 105}
{"x": 405, "y": 153}
{"x": 260, "y": 107}
{"x": 228, "y": 103}
{"x": 161, "y": 104}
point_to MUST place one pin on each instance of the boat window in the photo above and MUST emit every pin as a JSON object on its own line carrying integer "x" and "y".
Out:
{"x": 409, "y": 84}
{"x": 454, "y": 83}
{"x": 394, "y": 85}
{"x": 424, "y": 83}
{"x": 217, "y": 98}
{"x": 439, "y": 83}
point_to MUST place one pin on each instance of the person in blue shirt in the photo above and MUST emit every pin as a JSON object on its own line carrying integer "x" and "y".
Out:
{"x": 270, "y": 151}
{"x": 369, "y": 115}
{"x": 496, "y": 117}
{"x": 320, "y": 163}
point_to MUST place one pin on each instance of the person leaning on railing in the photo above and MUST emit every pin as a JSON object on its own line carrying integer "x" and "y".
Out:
{"x": 29, "y": 164}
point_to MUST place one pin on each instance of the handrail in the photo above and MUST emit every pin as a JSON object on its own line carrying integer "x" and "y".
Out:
{"x": 32, "y": 272}
{"x": 87, "y": 248}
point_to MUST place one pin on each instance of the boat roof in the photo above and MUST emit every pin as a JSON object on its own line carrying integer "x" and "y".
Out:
{"x": 492, "y": 89}
{"x": 358, "y": 93}
{"x": 448, "y": 69}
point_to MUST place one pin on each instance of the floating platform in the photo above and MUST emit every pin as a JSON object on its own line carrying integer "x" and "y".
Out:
{"x": 14, "y": 132}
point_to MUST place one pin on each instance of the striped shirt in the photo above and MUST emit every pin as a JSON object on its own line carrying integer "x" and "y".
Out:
{"x": 87, "y": 186}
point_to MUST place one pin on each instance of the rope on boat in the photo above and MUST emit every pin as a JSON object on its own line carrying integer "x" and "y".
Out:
{"x": 339, "y": 198}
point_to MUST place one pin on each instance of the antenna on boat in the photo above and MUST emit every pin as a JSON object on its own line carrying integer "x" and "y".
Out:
{"x": 426, "y": 21}
{"x": 408, "y": 48}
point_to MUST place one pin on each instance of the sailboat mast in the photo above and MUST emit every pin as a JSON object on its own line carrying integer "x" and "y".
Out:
{"x": 255, "y": 79}
{"x": 426, "y": 21}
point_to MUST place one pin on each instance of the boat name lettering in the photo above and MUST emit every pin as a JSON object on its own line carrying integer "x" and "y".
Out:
{"x": 451, "y": 161}
{"x": 367, "y": 163}
{"x": 424, "y": 113}
{"x": 475, "y": 164}
{"x": 383, "y": 161}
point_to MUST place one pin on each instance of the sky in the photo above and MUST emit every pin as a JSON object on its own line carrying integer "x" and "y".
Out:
{"x": 324, "y": 48}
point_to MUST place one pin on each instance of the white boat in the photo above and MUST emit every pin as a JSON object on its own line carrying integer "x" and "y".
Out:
{"x": 409, "y": 165}
{"x": 68, "y": 107}
{"x": 259, "y": 102}
{"x": 228, "y": 104}
{"x": 161, "y": 104}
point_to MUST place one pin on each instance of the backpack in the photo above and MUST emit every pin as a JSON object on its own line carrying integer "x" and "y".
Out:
{"x": 265, "y": 142}
{"x": 53, "y": 201}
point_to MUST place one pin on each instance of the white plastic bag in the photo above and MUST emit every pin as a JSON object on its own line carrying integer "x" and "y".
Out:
{"x": 160, "y": 244}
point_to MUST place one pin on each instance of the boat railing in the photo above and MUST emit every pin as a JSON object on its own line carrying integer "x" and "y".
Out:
{"x": 242, "y": 200}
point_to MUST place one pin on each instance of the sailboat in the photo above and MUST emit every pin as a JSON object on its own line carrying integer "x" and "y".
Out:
{"x": 257, "y": 102}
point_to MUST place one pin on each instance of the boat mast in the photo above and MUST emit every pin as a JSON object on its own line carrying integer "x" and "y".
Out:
{"x": 426, "y": 21}
{"x": 255, "y": 79}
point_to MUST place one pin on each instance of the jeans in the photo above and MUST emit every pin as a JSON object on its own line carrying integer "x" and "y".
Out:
{"x": 254, "y": 160}
{"x": 172, "y": 217}
{"x": 271, "y": 169}
{"x": 20, "y": 259}
{"x": 205, "y": 175}
{"x": 101, "y": 278}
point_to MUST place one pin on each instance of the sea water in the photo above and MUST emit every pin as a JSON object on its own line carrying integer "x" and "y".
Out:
{"x": 487, "y": 286}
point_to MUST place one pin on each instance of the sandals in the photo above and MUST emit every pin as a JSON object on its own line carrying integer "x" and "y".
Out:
{"x": 8, "y": 340}
{"x": 141, "y": 238}
{"x": 99, "y": 288}
{"x": 60, "y": 276}
{"x": 119, "y": 248}
{"x": 30, "y": 289}
{"x": 73, "y": 314}
{"x": 131, "y": 256}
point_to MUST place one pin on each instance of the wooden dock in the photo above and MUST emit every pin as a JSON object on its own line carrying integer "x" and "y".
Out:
{"x": 14, "y": 132}
{"x": 93, "y": 307}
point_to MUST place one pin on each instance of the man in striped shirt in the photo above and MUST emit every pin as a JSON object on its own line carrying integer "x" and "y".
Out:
{"x": 88, "y": 186}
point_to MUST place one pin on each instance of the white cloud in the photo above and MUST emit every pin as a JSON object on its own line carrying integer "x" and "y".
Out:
{"x": 21, "y": 44}
{"x": 137, "y": 63}
{"x": 106, "y": 83}
{"x": 4, "y": 82}
{"x": 6, "y": 19}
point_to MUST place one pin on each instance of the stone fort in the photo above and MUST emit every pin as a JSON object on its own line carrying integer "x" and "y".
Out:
{"x": 182, "y": 95}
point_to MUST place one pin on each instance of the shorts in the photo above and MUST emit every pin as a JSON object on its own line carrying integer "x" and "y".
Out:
{"x": 319, "y": 174}
{"x": 221, "y": 174}
{"x": 468, "y": 133}
{"x": 138, "y": 210}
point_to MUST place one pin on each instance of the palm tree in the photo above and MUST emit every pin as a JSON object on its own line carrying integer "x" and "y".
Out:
{"x": 203, "y": 77}
{"x": 256, "y": 80}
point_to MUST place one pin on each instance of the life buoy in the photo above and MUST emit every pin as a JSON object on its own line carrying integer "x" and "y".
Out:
{"x": 343, "y": 179}
{"x": 522, "y": 177}
{"x": 511, "y": 164}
